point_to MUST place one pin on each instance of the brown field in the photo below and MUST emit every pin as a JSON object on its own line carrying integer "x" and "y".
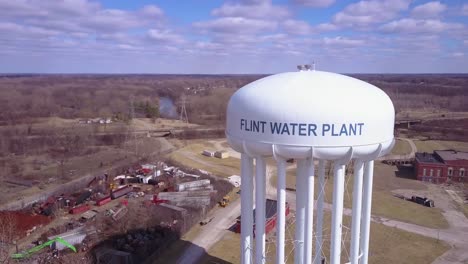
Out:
{"x": 431, "y": 145}
{"x": 41, "y": 138}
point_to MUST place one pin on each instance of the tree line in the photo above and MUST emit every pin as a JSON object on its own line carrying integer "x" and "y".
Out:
{"x": 24, "y": 98}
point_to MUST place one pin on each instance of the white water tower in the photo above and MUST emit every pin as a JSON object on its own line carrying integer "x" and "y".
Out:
{"x": 310, "y": 116}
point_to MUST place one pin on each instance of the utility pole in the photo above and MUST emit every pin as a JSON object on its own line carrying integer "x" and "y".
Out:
{"x": 132, "y": 129}
{"x": 183, "y": 110}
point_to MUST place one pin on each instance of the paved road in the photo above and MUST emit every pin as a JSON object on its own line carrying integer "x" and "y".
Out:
{"x": 402, "y": 156}
{"x": 212, "y": 232}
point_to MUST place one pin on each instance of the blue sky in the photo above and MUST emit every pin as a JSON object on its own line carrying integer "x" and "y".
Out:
{"x": 247, "y": 36}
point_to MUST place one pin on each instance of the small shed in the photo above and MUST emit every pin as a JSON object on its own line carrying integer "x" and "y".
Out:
{"x": 208, "y": 153}
{"x": 89, "y": 215}
{"x": 221, "y": 154}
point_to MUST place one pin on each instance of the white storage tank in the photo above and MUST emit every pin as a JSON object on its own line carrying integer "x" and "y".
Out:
{"x": 310, "y": 116}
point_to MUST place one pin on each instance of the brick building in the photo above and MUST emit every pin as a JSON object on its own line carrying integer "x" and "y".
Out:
{"x": 442, "y": 166}
{"x": 270, "y": 214}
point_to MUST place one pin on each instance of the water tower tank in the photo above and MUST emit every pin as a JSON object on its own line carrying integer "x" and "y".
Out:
{"x": 312, "y": 117}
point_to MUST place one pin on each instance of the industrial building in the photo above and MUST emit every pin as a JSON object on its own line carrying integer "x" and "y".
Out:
{"x": 442, "y": 166}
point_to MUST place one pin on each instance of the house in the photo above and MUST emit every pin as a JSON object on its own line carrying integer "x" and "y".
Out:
{"x": 442, "y": 166}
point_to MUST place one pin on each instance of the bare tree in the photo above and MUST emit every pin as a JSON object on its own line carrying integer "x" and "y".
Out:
{"x": 7, "y": 236}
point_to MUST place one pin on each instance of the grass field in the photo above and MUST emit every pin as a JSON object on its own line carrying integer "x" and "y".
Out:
{"x": 387, "y": 245}
{"x": 191, "y": 156}
{"x": 431, "y": 145}
{"x": 401, "y": 147}
{"x": 383, "y": 202}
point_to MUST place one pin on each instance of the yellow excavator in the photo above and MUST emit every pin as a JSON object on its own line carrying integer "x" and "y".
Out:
{"x": 225, "y": 201}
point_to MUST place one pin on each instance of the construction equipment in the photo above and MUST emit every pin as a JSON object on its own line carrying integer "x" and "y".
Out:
{"x": 33, "y": 250}
{"x": 422, "y": 201}
{"x": 112, "y": 186}
{"x": 225, "y": 201}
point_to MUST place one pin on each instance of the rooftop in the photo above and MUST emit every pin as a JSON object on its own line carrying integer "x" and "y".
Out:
{"x": 452, "y": 155}
{"x": 427, "y": 158}
{"x": 270, "y": 209}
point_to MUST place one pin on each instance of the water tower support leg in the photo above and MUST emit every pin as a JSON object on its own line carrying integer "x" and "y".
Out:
{"x": 280, "y": 225}
{"x": 366, "y": 210}
{"x": 320, "y": 201}
{"x": 356, "y": 217}
{"x": 260, "y": 179}
{"x": 337, "y": 214}
{"x": 309, "y": 211}
{"x": 300, "y": 212}
{"x": 246, "y": 208}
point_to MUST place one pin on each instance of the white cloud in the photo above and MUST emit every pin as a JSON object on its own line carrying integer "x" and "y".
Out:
{"x": 40, "y": 8}
{"x": 261, "y": 10}
{"x": 410, "y": 44}
{"x": 236, "y": 25}
{"x": 465, "y": 10}
{"x": 326, "y": 27}
{"x": 239, "y": 37}
{"x": 208, "y": 45}
{"x": 165, "y": 36}
{"x": 368, "y": 12}
{"x": 68, "y": 27}
{"x": 296, "y": 27}
{"x": 111, "y": 20}
{"x": 428, "y": 10}
{"x": 457, "y": 54}
{"x": 342, "y": 41}
{"x": 77, "y": 16}
{"x": 152, "y": 10}
{"x": 314, "y": 3}
{"x": 255, "y": 2}
{"x": 410, "y": 25}
{"x": 19, "y": 31}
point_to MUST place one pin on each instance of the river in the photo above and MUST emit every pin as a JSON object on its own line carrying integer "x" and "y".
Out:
{"x": 167, "y": 108}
